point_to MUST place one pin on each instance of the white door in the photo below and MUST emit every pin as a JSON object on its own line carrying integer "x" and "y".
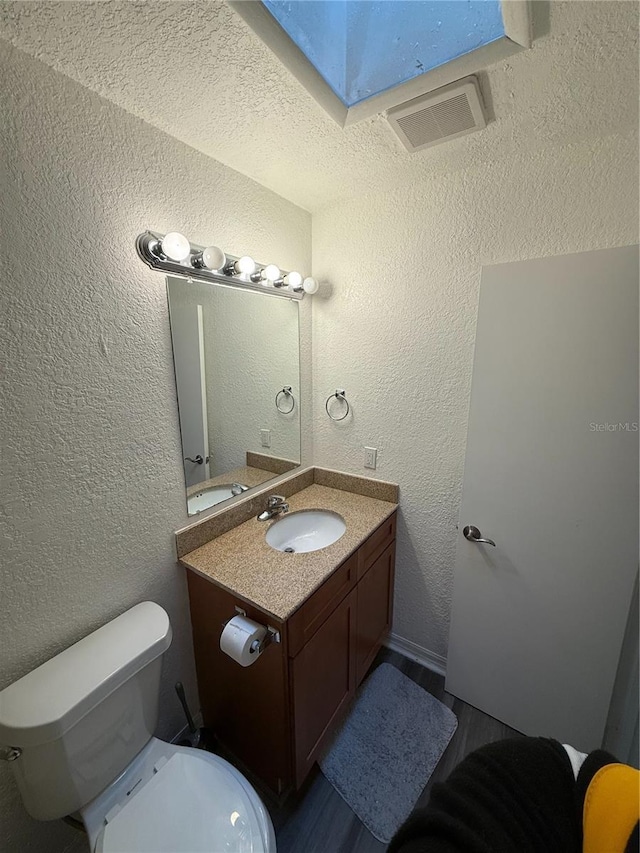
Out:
{"x": 551, "y": 475}
{"x": 187, "y": 334}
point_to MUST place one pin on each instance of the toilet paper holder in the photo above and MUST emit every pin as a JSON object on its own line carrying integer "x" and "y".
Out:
{"x": 272, "y": 635}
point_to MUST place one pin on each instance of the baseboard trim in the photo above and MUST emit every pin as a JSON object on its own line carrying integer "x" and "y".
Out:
{"x": 426, "y": 658}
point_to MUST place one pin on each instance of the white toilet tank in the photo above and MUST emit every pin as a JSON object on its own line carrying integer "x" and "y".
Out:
{"x": 81, "y": 717}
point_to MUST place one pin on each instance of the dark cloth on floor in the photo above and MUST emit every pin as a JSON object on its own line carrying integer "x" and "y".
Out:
{"x": 513, "y": 796}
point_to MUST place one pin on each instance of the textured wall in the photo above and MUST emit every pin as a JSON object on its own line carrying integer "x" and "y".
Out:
{"x": 92, "y": 484}
{"x": 398, "y": 332}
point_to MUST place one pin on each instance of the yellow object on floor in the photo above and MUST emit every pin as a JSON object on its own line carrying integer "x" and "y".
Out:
{"x": 611, "y": 809}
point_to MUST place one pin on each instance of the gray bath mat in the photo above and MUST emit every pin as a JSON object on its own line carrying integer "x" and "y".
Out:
{"x": 387, "y": 748}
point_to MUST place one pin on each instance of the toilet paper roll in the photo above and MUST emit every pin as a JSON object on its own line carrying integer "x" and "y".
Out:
{"x": 237, "y": 638}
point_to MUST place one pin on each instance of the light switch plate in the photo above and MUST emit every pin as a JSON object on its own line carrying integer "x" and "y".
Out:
{"x": 370, "y": 457}
{"x": 265, "y": 437}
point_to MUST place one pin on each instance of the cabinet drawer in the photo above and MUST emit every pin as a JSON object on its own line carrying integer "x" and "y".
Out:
{"x": 306, "y": 621}
{"x": 379, "y": 540}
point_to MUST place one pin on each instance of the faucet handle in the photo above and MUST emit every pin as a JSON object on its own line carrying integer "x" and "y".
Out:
{"x": 274, "y": 500}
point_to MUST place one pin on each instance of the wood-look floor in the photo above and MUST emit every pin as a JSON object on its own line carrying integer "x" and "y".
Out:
{"x": 318, "y": 820}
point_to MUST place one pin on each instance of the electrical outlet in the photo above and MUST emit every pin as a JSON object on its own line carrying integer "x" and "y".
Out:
{"x": 265, "y": 437}
{"x": 370, "y": 457}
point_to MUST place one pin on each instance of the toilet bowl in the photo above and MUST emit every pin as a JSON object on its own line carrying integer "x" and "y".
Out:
{"x": 174, "y": 798}
{"x": 78, "y": 731}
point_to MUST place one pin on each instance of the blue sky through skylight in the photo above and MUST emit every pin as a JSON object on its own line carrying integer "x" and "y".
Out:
{"x": 363, "y": 47}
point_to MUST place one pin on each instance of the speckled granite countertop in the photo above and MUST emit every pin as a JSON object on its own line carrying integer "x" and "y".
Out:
{"x": 242, "y": 562}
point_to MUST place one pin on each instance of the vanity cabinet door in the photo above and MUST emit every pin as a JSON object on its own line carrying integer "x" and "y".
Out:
{"x": 374, "y": 609}
{"x": 323, "y": 682}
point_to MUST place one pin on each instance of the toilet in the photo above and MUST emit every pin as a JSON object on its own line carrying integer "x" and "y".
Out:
{"x": 78, "y": 731}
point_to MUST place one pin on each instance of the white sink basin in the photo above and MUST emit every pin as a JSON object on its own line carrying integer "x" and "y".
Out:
{"x": 212, "y": 496}
{"x": 306, "y": 530}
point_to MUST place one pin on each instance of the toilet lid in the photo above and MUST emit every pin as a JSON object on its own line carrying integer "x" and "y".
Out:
{"x": 191, "y": 804}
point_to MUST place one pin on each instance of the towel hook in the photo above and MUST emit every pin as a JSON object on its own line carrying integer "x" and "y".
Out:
{"x": 287, "y": 393}
{"x": 339, "y": 395}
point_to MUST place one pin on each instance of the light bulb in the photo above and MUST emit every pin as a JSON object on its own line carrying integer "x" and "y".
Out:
{"x": 213, "y": 258}
{"x": 310, "y": 285}
{"x": 293, "y": 280}
{"x": 245, "y": 265}
{"x": 271, "y": 272}
{"x": 175, "y": 246}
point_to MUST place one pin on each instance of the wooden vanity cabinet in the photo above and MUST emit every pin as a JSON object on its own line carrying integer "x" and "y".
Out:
{"x": 247, "y": 708}
{"x": 278, "y": 715}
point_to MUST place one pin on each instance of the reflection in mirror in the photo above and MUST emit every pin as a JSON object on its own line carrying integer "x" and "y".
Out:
{"x": 234, "y": 353}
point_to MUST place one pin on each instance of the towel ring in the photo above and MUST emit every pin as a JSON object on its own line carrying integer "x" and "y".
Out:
{"x": 287, "y": 393}
{"x": 339, "y": 395}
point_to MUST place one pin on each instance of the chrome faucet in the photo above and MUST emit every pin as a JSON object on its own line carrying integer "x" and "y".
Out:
{"x": 275, "y": 505}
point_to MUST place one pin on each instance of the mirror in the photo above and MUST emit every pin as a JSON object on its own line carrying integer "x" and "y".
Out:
{"x": 234, "y": 352}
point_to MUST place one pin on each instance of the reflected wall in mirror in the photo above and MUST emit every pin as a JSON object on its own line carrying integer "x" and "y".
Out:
{"x": 233, "y": 352}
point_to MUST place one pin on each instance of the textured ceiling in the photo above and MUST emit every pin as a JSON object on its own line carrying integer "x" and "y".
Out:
{"x": 196, "y": 71}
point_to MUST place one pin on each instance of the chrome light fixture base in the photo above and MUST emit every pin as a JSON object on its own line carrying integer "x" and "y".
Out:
{"x": 147, "y": 245}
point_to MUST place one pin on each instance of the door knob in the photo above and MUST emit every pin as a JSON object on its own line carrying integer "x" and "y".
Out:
{"x": 473, "y": 535}
{"x": 198, "y": 460}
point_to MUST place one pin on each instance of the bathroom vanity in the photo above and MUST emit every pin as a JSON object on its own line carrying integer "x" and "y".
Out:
{"x": 331, "y": 610}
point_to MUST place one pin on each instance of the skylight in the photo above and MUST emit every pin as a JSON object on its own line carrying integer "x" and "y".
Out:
{"x": 361, "y": 58}
{"x": 364, "y": 47}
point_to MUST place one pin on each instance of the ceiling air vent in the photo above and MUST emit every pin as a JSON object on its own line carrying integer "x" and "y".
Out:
{"x": 438, "y": 116}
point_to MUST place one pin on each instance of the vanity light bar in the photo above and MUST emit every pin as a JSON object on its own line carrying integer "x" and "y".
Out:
{"x": 173, "y": 253}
